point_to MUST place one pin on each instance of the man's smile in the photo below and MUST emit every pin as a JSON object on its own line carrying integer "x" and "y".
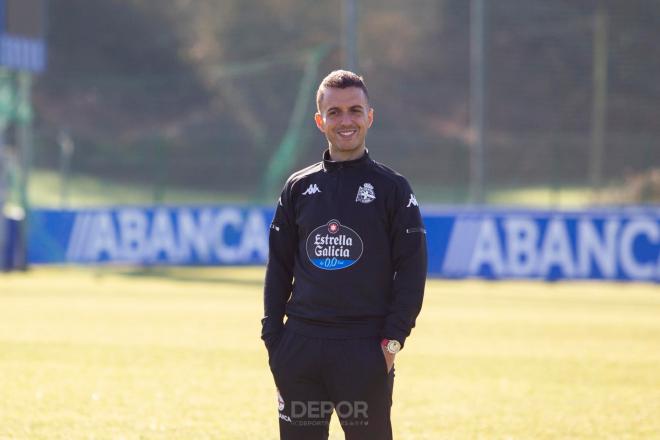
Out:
{"x": 347, "y": 133}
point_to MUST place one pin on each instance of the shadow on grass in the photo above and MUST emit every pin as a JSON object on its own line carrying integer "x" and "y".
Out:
{"x": 184, "y": 276}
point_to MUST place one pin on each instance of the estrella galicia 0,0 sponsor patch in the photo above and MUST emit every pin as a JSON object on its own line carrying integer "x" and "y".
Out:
{"x": 334, "y": 246}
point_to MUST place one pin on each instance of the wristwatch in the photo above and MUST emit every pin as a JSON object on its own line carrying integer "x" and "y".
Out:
{"x": 391, "y": 345}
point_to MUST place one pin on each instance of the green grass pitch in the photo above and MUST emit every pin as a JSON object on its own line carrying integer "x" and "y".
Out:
{"x": 175, "y": 354}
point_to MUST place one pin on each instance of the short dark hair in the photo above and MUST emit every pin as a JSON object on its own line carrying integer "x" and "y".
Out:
{"x": 340, "y": 79}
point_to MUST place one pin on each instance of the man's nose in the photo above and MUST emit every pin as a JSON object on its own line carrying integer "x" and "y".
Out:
{"x": 346, "y": 119}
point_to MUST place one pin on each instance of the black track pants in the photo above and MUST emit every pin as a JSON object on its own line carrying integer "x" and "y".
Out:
{"x": 316, "y": 377}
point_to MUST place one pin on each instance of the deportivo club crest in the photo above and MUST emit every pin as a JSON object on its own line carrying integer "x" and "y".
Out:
{"x": 365, "y": 193}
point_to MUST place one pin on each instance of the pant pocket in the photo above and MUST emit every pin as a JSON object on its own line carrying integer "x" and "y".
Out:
{"x": 277, "y": 348}
{"x": 381, "y": 357}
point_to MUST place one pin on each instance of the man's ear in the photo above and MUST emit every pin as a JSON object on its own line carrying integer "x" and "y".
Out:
{"x": 319, "y": 121}
{"x": 370, "y": 116}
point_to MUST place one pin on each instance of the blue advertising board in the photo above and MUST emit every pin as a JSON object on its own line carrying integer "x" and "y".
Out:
{"x": 616, "y": 244}
{"x": 22, "y": 34}
{"x": 622, "y": 244}
{"x": 150, "y": 236}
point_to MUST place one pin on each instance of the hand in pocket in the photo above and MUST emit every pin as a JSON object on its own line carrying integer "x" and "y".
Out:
{"x": 389, "y": 359}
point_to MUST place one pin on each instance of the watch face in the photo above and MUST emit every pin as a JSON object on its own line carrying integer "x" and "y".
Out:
{"x": 393, "y": 346}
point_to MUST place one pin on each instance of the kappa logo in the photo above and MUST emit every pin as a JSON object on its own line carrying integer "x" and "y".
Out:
{"x": 412, "y": 201}
{"x": 311, "y": 189}
{"x": 365, "y": 193}
{"x": 280, "y": 401}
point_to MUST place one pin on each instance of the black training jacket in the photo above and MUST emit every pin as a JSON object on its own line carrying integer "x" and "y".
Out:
{"x": 347, "y": 253}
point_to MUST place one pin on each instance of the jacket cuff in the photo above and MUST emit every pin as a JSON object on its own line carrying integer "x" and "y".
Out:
{"x": 271, "y": 342}
{"x": 270, "y": 330}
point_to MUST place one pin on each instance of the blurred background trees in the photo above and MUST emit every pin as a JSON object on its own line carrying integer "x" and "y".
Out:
{"x": 200, "y": 93}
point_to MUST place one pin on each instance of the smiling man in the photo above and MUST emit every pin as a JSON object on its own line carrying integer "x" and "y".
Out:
{"x": 347, "y": 266}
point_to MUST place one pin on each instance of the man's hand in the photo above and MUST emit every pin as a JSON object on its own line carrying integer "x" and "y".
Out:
{"x": 389, "y": 359}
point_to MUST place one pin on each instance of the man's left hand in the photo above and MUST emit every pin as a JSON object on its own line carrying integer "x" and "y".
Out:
{"x": 389, "y": 359}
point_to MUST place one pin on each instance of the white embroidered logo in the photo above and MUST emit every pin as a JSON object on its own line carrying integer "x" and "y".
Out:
{"x": 412, "y": 201}
{"x": 311, "y": 189}
{"x": 365, "y": 193}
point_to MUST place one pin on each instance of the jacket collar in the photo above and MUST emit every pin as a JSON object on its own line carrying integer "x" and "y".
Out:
{"x": 331, "y": 165}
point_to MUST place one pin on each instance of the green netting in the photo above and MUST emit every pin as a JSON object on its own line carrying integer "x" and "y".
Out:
{"x": 148, "y": 124}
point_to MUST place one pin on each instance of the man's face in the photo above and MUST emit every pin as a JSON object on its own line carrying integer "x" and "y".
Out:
{"x": 344, "y": 117}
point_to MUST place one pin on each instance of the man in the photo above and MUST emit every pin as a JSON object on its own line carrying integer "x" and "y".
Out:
{"x": 347, "y": 266}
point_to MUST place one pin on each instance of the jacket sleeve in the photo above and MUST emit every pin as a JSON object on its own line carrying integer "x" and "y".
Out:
{"x": 408, "y": 244}
{"x": 282, "y": 241}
